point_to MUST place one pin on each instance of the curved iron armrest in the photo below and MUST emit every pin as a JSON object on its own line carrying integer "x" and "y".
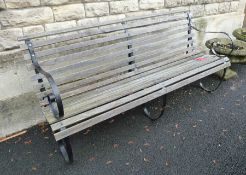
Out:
{"x": 55, "y": 96}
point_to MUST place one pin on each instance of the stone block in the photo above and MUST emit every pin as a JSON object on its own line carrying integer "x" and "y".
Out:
{"x": 33, "y": 29}
{"x": 58, "y": 2}
{"x": 26, "y": 17}
{"x": 21, "y": 3}
{"x": 69, "y": 12}
{"x": 2, "y": 4}
{"x": 186, "y": 8}
{"x": 123, "y": 6}
{"x": 151, "y": 4}
{"x": 60, "y": 25}
{"x": 224, "y": 7}
{"x": 187, "y": 2}
{"x": 111, "y": 17}
{"x": 139, "y": 13}
{"x": 87, "y": 21}
{"x": 197, "y": 10}
{"x": 97, "y": 9}
{"x": 212, "y": 9}
{"x": 8, "y": 38}
{"x": 234, "y": 6}
{"x": 172, "y": 3}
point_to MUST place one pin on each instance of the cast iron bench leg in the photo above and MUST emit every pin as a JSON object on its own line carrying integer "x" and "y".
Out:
{"x": 149, "y": 112}
{"x": 210, "y": 90}
{"x": 66, "y": 150}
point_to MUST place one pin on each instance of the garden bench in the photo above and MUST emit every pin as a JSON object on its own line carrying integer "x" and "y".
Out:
{"x": 88, "y": 74}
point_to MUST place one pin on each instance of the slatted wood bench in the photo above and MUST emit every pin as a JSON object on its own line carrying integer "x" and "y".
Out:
{"x": 86, "y": 75}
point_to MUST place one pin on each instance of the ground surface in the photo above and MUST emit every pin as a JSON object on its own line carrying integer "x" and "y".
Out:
{"x": 200, "y": 133}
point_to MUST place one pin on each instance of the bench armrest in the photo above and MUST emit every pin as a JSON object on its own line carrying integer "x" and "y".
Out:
{"x": 55, "y": 96}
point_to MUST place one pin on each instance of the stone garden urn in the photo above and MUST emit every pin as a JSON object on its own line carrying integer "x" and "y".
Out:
{"x": 240, "y": 34}
{"x": 223, "y": 46}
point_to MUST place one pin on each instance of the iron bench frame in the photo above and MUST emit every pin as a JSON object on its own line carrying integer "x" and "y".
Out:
{"x": 55, "y": 98}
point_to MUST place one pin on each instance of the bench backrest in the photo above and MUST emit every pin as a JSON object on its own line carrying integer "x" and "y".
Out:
{"x": 96, "y": 55}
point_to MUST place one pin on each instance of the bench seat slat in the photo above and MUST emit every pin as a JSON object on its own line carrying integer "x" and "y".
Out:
{"x": 124, "y": 89}
{"x": 120, "y": 90}
{"x": 122, "y": 101}
{"x": 135, "y": 103}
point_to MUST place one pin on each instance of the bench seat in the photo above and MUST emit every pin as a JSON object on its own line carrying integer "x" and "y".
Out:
{"x": 83, "y": 111}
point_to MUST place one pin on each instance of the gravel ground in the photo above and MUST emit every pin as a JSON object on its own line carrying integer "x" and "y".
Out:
{"x": 199, "y": 133}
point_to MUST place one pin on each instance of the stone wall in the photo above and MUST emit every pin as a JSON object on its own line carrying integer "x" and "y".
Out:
{"x": 21, "y": 17}
{"x": 18, "y": 105}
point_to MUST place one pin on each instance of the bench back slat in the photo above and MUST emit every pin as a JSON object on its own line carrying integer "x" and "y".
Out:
{"x": 121, "y": 89}
{"x": 178, "y": 27}
{"x": 143, "y": 17}
{"x": 109, "y": 29}
{"x": 95, "y": 65}
{"x": 101, "y": 55}
{"x": 142, "y": 46}
{"x": 162, "y": 58}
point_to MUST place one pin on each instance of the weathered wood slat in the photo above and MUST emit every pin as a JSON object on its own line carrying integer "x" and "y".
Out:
{"x": 118, "y": 91}
{"x": 121, "y": 86}
{"x": 180, "y": 27}
{"x": 151, "y": 29}
{"x": 119, "y": 46}
{"x": 113, "y": 91}
{"x": 103, "y": 31}
{"x": 141, "y": 60}
{"x": 38, "y": 35}
{"x": 131, "y": 76}
{"x": 124, "y": 100}
{"x": 133, "y": 104}
{"x": 100, "y": 62}
{"x": 179, "y": 55}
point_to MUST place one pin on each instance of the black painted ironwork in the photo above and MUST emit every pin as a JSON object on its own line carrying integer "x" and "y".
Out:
{"x": 129, "y": 45}
{"x": 210, "y": 90}
{"x": 148, "y": 108}
{"x": 66, "y": 150}
{"x": 55, "y": 96}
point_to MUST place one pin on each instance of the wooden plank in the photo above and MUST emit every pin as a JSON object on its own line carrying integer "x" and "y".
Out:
{"x": 111, "y": 94}
{"x": 143, "y": 82}
{"x": 122, "y": 101}
{"x": 117, "y": 78}
{"x": 103, "y": 31}
{"x": 133, "y": 104}
{"x": 121, "y": 54}
{"x": 181, "y": 26}
{"x": 116, "y": 88}
{"x": 38, "y": 35}
{"x": 140, "y": 61}
{"x": 99, "y": 61}
{"x": 133, "y": 75}
{"x": 139, "y": 41}
{"x": 77, "y": 56}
